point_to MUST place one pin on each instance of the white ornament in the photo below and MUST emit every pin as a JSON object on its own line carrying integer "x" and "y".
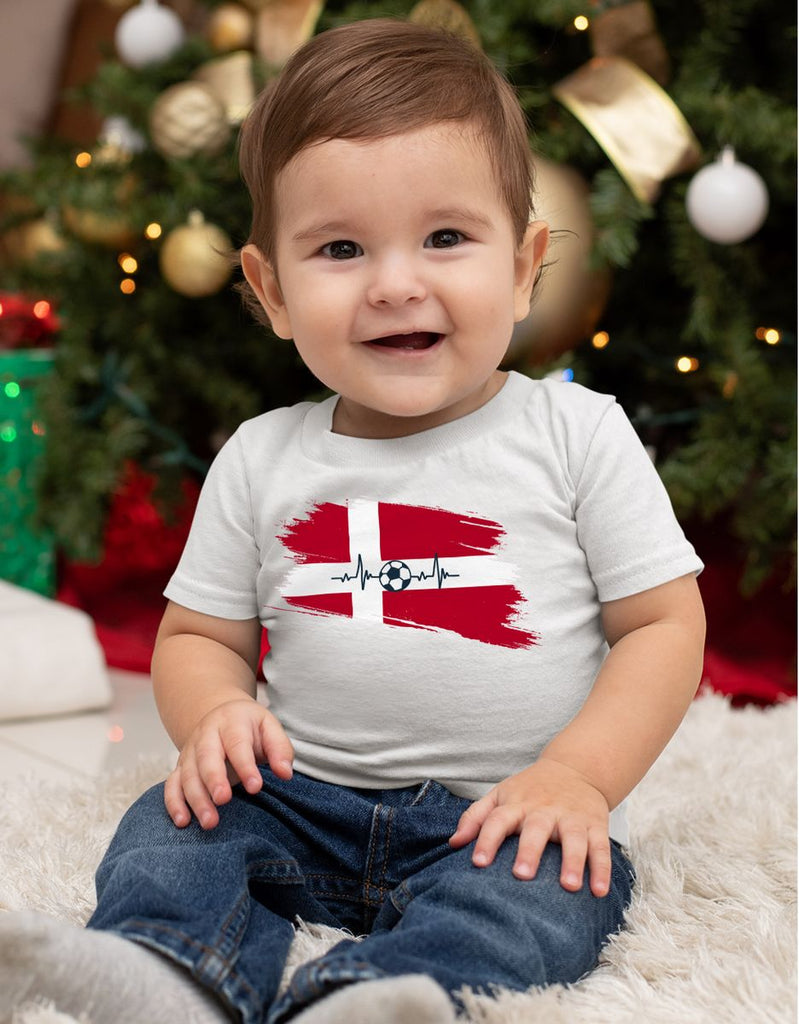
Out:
{"x": 148, "y": 34}
{"x": 118, "y": 132}
{"x": 727, "y": 201}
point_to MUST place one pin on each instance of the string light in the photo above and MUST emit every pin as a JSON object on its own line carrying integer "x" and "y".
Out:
{"x": 153, "y": 231}
{"x": 687, "y": 364}
{"x": 730, "y": 384}
{"x": 8, "y": 433}
{"x": 38, "y": 428}
{"x": 601, "y": 339}
{"x": 581, "y": 23}
{"x": 567, "y": 375}
{"x": 1, "y": 308}
{"x": 128, "y": 263}
{"x": 770, "y": 335}
{"x": 12, "y": 389}
{"x": 83, "y": 159}
{"x": 127, "y": 286}
{"x": 41, "y": 309}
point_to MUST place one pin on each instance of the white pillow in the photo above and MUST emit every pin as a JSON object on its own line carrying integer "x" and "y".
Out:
{"x": 51, "y": 662}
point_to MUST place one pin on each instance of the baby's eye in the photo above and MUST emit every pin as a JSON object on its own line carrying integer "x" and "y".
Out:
{"x": 342, "y": 249}
{"x": 444, "y": 239}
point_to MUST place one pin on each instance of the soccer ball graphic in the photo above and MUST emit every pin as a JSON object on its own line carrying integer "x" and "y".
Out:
{"x": 395, "y": 576}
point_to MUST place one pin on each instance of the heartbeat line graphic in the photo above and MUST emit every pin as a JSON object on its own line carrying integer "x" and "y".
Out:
{"x": 396, "y": 575}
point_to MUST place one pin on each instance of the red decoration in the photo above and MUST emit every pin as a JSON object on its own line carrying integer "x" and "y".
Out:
{"x": 26, "y": 322}
{"x": 123, "y": 594}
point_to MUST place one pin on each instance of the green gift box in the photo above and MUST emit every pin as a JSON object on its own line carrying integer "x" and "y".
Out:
{"x": 27, "y": 553}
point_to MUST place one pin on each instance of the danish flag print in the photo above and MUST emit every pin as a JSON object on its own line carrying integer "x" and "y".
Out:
{"x": 404, "y": 565}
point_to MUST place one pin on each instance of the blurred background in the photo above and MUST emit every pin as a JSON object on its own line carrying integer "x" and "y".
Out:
{"x": 664, "y": 136}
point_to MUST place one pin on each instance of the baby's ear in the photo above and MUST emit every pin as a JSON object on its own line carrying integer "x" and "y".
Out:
{"x": 527, "y": 264}
{"x": 262, "y": 278}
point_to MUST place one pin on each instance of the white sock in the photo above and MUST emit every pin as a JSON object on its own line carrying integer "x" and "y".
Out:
{"x": 407, "y": 999}
{"x": 97, "y": 976}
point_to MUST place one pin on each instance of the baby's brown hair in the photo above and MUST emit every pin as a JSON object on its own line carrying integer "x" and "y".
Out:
{"x": 375, "y": 78}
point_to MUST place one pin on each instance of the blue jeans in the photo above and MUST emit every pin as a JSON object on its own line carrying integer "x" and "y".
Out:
{"x": 376, "y": 862}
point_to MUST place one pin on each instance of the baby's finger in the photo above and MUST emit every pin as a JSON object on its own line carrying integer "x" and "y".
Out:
{"x": 471, "y": 821}
{"x": 176, "y": 806}
{"x": 238, "y": 746}
{"x": 196, "y": 794}
{"x": 277, "y": 747}
{"x": 501, "y": 823}
{"x": 536, "y": 833}
{"x": 574, "y": 843}
{"x": 210, "y": 758}
{"x": 599, "y": 861}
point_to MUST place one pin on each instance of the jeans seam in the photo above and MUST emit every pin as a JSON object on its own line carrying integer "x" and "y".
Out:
{"x": 148, "y": 927}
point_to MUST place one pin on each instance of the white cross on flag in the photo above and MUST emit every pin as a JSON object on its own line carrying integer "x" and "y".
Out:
{"x": 404, "y": 565}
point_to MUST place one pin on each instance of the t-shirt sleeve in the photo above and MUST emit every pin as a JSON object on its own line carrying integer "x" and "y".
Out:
{"x": 625, "y": 521}
{"x": 218, "y": 569}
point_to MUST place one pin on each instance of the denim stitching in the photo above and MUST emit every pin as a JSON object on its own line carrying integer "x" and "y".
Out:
{"x": 147, "y": 927}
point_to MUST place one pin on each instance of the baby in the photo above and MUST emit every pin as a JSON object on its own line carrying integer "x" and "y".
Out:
{"x": 483, "y": 618}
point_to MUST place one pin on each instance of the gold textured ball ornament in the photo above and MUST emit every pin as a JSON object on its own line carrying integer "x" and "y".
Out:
{"x": 447, "y": 15}
{"x": 194, "y": 258}
{"x": 230, "y": 27}
{"x": 31, "y": 239}
{"x": 571, "y": 295}
{"x": 188, "y": 119}
{"x": 110, "y": 225}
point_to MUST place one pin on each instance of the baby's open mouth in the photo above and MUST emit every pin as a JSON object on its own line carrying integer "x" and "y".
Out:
{"x": 416, "y": 341}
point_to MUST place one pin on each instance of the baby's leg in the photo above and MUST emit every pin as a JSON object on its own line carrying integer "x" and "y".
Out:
{"x": 209, "y": 910}
{"x": 465, "y": 926}
{"x": 96, "y": 974}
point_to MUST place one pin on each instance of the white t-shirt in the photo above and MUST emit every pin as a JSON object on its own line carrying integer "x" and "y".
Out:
{"x": 432, "y": 602}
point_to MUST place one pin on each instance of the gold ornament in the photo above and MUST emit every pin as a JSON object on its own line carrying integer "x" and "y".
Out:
{"x": 636, "y": 123}
{"x": 571, "y": 295}
{"x": 230, "y": 80}
{"x": 188, "y": 119}
{"x": 193, "y": 258}
{"x": 628, "y": 29}
{"x": 32, "y": 239}
{"x": 282, "y": 26}
{"x": 230, "y": 27}
{"x": 113, "y": 230}
{"x": 448, "y": 16}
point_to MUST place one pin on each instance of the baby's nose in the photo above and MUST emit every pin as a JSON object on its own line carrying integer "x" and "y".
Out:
{"x": 395, "y": 281}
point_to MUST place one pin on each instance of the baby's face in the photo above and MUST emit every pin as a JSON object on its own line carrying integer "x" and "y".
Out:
{"x": 399, "y": 276}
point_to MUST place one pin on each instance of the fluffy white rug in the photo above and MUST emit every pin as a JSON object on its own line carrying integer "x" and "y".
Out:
{"x": 711, "y": 935}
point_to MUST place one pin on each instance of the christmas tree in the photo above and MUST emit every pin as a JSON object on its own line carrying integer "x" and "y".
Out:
{"x": 670, "y": 288}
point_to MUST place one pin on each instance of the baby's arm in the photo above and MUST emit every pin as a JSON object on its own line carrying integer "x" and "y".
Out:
{"x": 204, "y": 671}
{"x": 641, "y": 694}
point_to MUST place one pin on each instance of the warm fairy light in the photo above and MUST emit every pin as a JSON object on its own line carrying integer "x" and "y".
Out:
{"x": 153, "y": 230}
{"x": 41, "y": 309}
{"x": 730, "y": 384}
{"x": 128, "y": 263}
{"x": 38, "y": 428}
{"x": 83, "y": 159}
{"x": 600, "y": 339}
{"x": 581, "y": 23}
{"x": 116, "y": 734}
{"x": 12, "y": 389}
{"x": 687, "y": 364}
{"x": 127, "y": 286}
{"x": 1, "y": 308}
{"x": 771, "y": 336}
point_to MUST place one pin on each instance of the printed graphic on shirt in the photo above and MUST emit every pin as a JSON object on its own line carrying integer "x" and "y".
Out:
{"x": 405, "y": 565}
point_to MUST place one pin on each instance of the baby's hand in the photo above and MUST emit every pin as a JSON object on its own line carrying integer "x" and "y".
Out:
{"x": 226, "y": 747}
{"x": 547, "y": 801}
